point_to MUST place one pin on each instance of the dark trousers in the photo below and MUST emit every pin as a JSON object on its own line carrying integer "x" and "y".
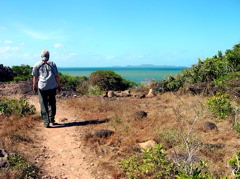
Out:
{"x": 47, "y": 99}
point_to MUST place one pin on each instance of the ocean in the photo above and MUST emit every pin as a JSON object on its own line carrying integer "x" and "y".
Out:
{"x": 137, "y": 75}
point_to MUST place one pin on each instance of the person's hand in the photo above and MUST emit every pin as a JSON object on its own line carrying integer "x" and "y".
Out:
{"x": 35, "y": 88}
{"x": 59, "y": 89}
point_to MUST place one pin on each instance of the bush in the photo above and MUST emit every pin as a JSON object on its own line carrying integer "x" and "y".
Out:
{"x": 71, "y": 82}
{"x": 109, "y": 80}
{"x": 230, "y": 80}
{"x": 23, "y": 72}
{"x": 6, "y": 73}
{"x": 220, "y": 106}
{"x": 24, "y": 169}
{"x": 20, "y": 107}
{"x": 151, "y": 163}
{"x": 94, "y": 91}
{"x": 234, "y": 163}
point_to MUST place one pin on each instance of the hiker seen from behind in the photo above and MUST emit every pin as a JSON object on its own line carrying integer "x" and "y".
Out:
{"x": 46, "y": 82}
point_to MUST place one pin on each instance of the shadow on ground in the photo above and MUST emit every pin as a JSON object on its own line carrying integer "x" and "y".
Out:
{"x": 81, "y": 123}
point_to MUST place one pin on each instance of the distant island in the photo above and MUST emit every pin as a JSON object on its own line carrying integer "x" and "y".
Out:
{"x": 149, "y": 66}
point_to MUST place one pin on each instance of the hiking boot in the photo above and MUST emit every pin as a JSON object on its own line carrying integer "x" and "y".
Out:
{"x": 53, "y": 122}
{"x": 46, "y": 125}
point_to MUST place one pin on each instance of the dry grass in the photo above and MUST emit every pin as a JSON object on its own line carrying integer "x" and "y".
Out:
{"x": 17, "y": 137}
{"x": 174, "y": 120}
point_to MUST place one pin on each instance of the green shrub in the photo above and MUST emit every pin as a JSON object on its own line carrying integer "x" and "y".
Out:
{"x": 220, "y": 106}
{"x": 199, "y": 171}
{"x": 151, "y": 163}
{"x": 234, "y": 163}
{"x": 6, "y": 73}
{"x": 109, "y": 80}
{"x": 25, "y": 169}
{"x": 94, "y": 91}
{"x": 231, "y": 80}
{"x": 20, "y": 107}
{"x": 23, "y": 72}
{"x": 83, "y": 87}
{"x": 71, "y": 82}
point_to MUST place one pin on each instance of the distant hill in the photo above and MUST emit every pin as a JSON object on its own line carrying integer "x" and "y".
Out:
{"x": 149, "y": 66}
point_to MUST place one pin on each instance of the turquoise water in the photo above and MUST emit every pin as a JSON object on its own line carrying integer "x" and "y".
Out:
{"x": 136, "y": 75}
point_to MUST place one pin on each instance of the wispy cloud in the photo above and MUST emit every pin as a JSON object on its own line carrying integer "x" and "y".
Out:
{"x": 8, "y": 49}
{"x": 7, "y": 42}
{"x": 58, "y": 45}
{"x": 55, "y": 35}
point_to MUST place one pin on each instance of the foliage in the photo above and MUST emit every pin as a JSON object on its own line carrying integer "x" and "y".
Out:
{"x": 6, "y": 73}
{"x": 199, "y": 171}
{"x": 71, "y": 82}
{"x": 94, "y": 91}
{"x": 19, "y": 163}
{"x": 235, "y": 164}
{"x": 229, "y": 80}
{"x": 151, "y": 163}
{"x": 220, "y": 106}
{"x": 215, "y": 67}
{"x": 171, "y": 84}
{"x": 23, "y": 72}
{"x": 20, "y": 107}
{"x": 109, "y": 80}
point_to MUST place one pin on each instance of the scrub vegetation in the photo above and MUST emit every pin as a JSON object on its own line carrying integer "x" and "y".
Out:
{"x": 17, "y": 139}
{"x": 192, "y": 122}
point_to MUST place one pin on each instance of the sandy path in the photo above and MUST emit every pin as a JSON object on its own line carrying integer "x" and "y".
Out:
{"x": 64, "y": 158}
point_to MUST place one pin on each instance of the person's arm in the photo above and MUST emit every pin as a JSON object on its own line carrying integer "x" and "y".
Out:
{"x": 35, "y": 80}
{"x": 58, "y": 83}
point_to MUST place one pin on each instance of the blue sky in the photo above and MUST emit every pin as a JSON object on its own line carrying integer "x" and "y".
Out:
{"x": 97, "y": 33}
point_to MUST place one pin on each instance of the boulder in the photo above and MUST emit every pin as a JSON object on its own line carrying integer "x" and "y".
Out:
{"x": 208, "y": 126}
{"x": 3, "y": 158}
{"x": 150, "y": 93}
{"x": 140, "y": 115}
{"x": 62, "y": 119}
{"x": 146, "y": 145}
{"x": 125, "y": 93}
{"x": 103, "y": 133}
{"x": 111, "y": 94}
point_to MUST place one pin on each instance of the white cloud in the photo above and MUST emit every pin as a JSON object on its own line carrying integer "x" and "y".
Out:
{"x": 7, "y": 42}
{"x": 36, "y": 35}
{"x": 58, "y": 45}
{"x": 54, "y": 35}
{"x": 8, "y": 49}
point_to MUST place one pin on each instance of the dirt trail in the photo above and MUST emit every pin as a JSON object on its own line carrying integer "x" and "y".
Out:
{"x": 64, "y": 158}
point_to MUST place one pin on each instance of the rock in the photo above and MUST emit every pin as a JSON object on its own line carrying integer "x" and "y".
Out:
{"x": 105, "y": 94}
{"x": 62, "y": 119}
{"x": 111, "y": 94}
{"x": 103, "y": 133}
{"x": 140, "y": 115}
{"x": 3, "y": 158}
{"x": 208, "y": 126}
{"x": 142, "y": 96}
{"x": 150, "y": 93}
{"x": 123, "y": 93}
{"x": 149, "y": 144}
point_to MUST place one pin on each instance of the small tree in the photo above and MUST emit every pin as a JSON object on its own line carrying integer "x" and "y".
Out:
{"x": 108, "y": 80}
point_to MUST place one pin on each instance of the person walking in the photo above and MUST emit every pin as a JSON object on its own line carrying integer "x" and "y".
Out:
{"x": 45, "y": 82}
